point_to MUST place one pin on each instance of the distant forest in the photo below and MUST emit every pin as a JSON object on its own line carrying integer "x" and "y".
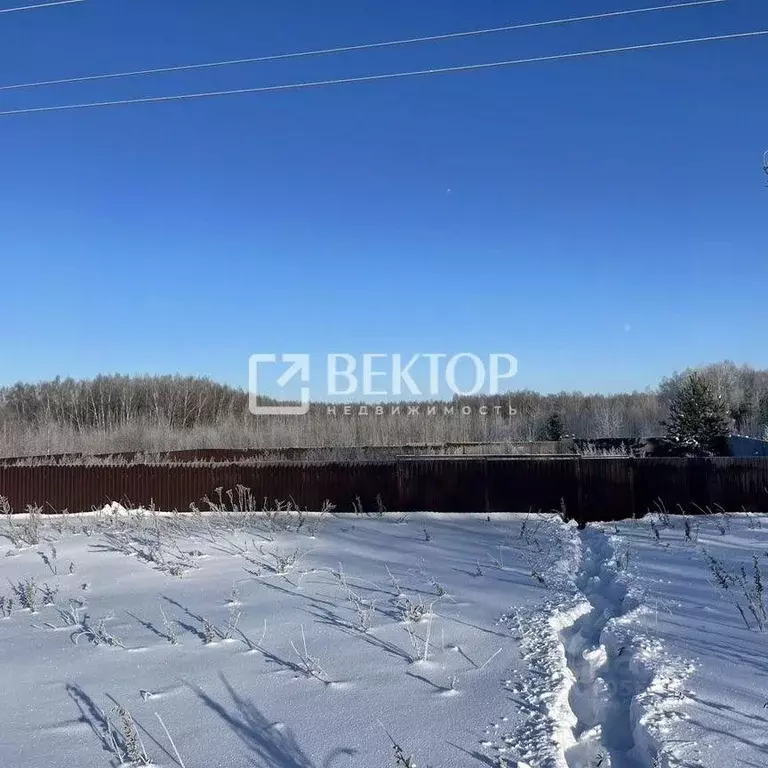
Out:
{"x": 161, "y": 413}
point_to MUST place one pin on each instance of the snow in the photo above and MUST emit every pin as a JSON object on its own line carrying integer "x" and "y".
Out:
{"x": 288, "y": 640}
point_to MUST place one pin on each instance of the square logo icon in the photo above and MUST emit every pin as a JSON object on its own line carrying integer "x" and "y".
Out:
{"x": 298, "y": 366}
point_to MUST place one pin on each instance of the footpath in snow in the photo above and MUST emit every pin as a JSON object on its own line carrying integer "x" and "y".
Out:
{"x": 650, "y": 652}
{"x": 604, "y": 681}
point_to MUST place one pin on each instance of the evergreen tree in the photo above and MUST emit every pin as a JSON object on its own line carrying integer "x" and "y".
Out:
{"x": 554, "y": 429}
{"x": 698, "y": 420}
{"x": 763, "y": 413}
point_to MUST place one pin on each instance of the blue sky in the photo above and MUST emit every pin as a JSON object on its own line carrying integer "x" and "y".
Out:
{"x": 603, "y": 220}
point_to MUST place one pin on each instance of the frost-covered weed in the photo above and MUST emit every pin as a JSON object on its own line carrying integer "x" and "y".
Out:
{"x": 125, "y": 740}
{"x": 27, "y": 592}
{"x": 237, "y": 510}
{"x": 394, "y": 582}
{"x": 364, "y": 609}
{"x": 497, "y": 562}
{"x": 401, "y": 761}
{"x": 744, "y": 585}
{"x": 234, "y": 596}
{"x": 25, "y": 532}
{"x": 6, "y": 607}
{"x": 754, "y": 523}
{"x": 170, "y": 627}
{"x": 170, "y": 738}
{"x": 49, "y": 594}
{"x": 413, "y": 610}
{"x": 318, "y": 522}
{"x": 308, "y": 664}
{"x": 71, "y": 615}
{"x": 33, "y": 524}
{"x": 49, "y": 558}
{"x": 691, "y": 529}
{"x": 232, "y": 622}
{"x": 96, "y": 634}
{"x": 440, "y": 590}
{"x": 662, "y": 514}
{"x": 150, "y": 547}
{"x": 280, "y": 563}
{"x": 720, "y": 518}
{"x": 209, "y": 632}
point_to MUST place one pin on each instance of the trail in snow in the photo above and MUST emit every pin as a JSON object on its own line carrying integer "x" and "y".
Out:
{"x": 604, "y": 681}
{"x": 612, "y": 682}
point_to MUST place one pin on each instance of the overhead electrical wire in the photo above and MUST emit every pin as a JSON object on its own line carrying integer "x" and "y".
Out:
{"x": 388, "y": 76}
{"x": 39, "y": 5}
{"x": 351, "y": 48}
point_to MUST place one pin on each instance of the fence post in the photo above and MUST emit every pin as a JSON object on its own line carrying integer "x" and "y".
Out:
{"x": 580, "y": 511}
{"x": 399, "y": 484}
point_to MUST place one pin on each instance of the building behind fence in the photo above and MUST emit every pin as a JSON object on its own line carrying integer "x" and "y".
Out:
{"x": 587, "y": 489}
{"x": 747, "y": 446}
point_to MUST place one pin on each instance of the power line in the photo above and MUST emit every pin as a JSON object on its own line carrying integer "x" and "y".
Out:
{"x": 388, "y": 76}
{"x": 39, "y": 5}
{"x": 350, "y": 48}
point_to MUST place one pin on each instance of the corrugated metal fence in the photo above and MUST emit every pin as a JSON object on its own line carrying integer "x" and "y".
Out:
{"x": 590, "y": 489}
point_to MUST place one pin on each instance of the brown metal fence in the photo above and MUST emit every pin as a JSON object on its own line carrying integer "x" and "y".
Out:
{"x": 588, "y": 489}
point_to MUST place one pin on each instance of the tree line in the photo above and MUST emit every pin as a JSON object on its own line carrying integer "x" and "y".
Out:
{"x": 126, "y": 413}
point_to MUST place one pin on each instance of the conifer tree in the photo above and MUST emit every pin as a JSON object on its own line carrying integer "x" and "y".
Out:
{"x": 554, "y": 429}
{"x": 698, "y": 420}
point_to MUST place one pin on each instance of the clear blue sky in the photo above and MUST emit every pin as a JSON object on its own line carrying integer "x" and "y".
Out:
{"x": 604, "y": 220}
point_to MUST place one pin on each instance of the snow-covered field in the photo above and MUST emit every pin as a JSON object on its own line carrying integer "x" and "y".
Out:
{"x": 287, "y": 640}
